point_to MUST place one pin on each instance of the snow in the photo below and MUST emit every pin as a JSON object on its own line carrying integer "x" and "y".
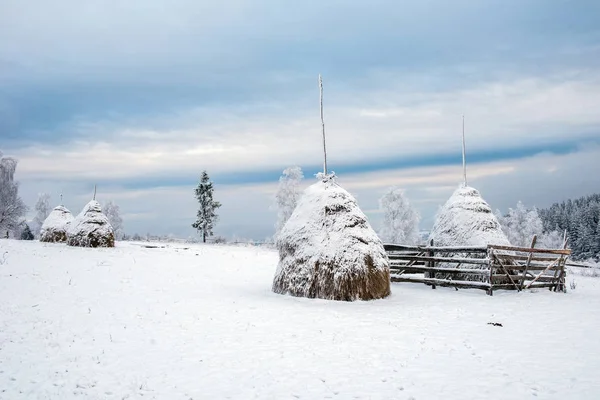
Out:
{"x": 329, "y": 250}
{"x": 201, "y": 322}
{"x": 467, "y": 220}
{"x": 56, "y": 224}
{"x": 91, "y": 228}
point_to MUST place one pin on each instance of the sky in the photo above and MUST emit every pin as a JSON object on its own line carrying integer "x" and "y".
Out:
{"x": 140, "y": 97}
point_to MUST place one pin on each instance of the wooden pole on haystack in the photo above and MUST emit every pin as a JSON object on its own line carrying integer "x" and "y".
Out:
{"x": 323, "y": 126}
{"x": 464, "y": 152}
{"x": 94, "y": 192}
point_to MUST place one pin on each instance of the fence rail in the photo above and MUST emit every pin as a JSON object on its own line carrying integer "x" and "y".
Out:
{"x": 489, "y": 267}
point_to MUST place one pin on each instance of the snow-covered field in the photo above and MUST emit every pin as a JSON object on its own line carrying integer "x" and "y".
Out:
{"x": 202, "y": 323}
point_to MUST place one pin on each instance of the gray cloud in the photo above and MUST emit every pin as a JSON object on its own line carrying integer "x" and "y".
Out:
{"x": 150, "y": 92}
{"x": 540, "y": 180}
{"x": 386, "y": 125}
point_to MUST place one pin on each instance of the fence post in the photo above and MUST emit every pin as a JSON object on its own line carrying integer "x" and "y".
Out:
{"x": 491, "y": 267}
{"x": 560, "y": 283}
{"x": 528, "y": 262}
{"x": 431, "y": 263}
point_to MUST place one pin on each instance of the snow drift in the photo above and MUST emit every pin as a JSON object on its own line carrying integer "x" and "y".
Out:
{"x": 55, "y": 226}
{"x": 466, "y": 220}
{"x": 328, "y": 249}
{"x": 91, "y": 228}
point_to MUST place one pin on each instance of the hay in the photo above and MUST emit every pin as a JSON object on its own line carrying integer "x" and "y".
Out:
{"x": 328, "y": 249}
{"x": 91, "y": 228}
{"x": 466, "y": 220}
{"x": 55, "y": 226}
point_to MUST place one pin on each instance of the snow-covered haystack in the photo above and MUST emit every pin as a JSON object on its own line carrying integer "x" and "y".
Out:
{"x": 91, "y": 228}
{"x": 56, "y": 225}
{"x": 466, "y": 220}
{"x": 328, "y": 249}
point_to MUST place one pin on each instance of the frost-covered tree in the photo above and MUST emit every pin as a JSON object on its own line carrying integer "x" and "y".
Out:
{"x": 12, "y": 207}
{"x": 580, "y": 218}
{"x": 207, "y": 212}
{"x": 520, "y": 224}
{"x": 113, "y": 213}
{"x": 551, "y": 240}
{"x": 287, "y": 195}
{"x": 42, "y": 210}
{"x": 400, "y": 221}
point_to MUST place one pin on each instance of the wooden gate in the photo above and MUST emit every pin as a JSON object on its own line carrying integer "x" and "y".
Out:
{"x": 485, "y": 267}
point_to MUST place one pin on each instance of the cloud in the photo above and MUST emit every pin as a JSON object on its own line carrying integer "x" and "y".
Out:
{"x": 537, "y": 181}
{"x": 537, "y": 114}
{"x": 98, "y": 59}
{"x": 141, "y": 96}
{"x": 114, "y": 37}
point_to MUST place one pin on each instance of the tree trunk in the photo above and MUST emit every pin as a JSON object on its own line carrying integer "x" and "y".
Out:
{"x": 204, "y": 236}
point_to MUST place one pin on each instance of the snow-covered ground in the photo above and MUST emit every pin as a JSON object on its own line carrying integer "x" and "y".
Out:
{"x": 202, "y": 323}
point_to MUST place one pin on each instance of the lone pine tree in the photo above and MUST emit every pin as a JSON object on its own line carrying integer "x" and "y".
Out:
{"x": 206, "y": 216}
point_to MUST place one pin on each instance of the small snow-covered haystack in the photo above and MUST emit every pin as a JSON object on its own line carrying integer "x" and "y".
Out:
{"x": 56, "y": 225}
{"x": 91, "y": 228}
{"x": 466, "y": 220}
{"x": 328, "y": 249}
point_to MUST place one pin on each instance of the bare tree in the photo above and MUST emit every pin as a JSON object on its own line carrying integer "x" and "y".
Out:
{"x": 12, "y": 208}
{"x": 521, "y": 223}
{"x": 400, "y": 221}
{"x": 287, "y": 195}
{"x": 42, "y": 210}
{"x": 113, "y": 213}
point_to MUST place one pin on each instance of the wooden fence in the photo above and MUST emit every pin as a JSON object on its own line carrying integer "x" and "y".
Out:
{"x": 488, "y": 267}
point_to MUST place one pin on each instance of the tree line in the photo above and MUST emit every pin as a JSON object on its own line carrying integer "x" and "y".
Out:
{"x": 13, "y": 209}
{"x": 579, "y": 218}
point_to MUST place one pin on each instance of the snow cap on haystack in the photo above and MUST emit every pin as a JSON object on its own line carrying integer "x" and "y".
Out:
{"x": 328, "y": 249}
{"x": 467, "y": 220}
{"x": 91, "y": 228}
{"x": 55, "y": 226}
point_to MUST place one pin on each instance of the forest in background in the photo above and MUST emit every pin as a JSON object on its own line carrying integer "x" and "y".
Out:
{"x": 581, "y": 219}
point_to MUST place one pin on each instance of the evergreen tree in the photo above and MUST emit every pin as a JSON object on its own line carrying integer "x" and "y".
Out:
{"x": 581, "y": 219}
{"x": 206, "y": 216}
{"x": 27, "y": 234}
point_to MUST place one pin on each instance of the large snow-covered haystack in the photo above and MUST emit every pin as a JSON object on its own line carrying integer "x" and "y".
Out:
{"x": 328, "y": 249}
{"x": 466, "y": 220}
{"x": 91, "y": 228}
{"x": 56, "y": 225}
